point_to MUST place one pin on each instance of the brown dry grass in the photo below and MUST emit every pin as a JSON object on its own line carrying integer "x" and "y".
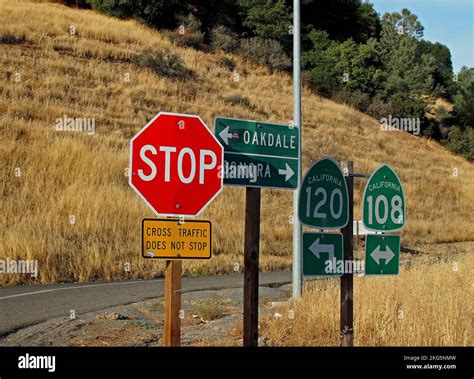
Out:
{"x": 64, "y": 174}
{"x": 427, "y": 305}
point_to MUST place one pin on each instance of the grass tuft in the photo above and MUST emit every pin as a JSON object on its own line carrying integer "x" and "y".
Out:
{"x": 163, "y": 63}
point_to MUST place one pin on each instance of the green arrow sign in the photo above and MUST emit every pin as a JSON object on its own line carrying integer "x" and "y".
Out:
{"x": 322, "y": 254}
{"x": 258, "y": 154}
{"x": 384, "y": 201}
{"x": 323, "y": 198}
{"x": 382, "y": 255}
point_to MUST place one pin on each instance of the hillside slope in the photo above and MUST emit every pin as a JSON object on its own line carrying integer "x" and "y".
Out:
{"x": 65, "y": 199}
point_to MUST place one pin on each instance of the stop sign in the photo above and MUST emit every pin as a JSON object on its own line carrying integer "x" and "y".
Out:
{"x": 176, "y": 165}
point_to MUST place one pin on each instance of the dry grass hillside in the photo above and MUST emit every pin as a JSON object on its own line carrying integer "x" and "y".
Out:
{"x": 64, "y": 196}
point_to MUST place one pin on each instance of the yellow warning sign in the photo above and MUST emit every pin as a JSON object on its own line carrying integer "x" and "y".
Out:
{"x": 176, "y": 239}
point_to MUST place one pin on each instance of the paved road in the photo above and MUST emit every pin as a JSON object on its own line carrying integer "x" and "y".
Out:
{"x": 22, "y": 306}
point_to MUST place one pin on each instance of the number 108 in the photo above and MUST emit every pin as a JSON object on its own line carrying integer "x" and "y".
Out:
{"x": 381, "y": 216}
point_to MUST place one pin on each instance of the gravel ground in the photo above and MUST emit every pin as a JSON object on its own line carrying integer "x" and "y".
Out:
{"x": 209, "y": 318}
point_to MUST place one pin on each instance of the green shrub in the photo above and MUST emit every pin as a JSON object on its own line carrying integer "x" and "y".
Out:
{"x": 227, "y": 63}
{"x": 267, "y": 52}
{"x": 189, "y": 33}
{"x": 223, "y": 39}
{"x": 378, "y": 109}
{"x": 461, "y": 142}
{"x": 11, "y": 39}
{"x": 164, "y": 63}
{"x": 323, "y": 76}
{"x": 238, "y": 101}
{"x": 158, "y": 13}
{"x": 357, "y": 99}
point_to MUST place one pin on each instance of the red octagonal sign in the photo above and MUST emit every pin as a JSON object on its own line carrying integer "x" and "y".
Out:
{"x": 176, "y": 165}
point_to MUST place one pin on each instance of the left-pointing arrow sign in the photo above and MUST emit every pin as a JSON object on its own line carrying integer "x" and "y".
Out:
{"x": 318, "y": 248}
{"x": 258, "y": 154}
{"x": 315, "y": 248}
{"x": 225, "y": 135}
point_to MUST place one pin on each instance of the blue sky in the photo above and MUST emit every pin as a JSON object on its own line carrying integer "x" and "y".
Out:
{"x": 450, "y": 22}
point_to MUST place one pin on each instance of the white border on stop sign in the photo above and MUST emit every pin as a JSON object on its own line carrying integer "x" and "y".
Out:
{"x": 131, "y": 172}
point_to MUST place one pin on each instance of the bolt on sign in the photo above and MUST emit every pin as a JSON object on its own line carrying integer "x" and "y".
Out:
{"x": 382, "y": 255}
{"x": 384, "y": 201}
{"x": 174, "y": 239}
{"x": 176, "y": 165}
{"x": 323, "y": 197}
{"x": 258, "y": 154}
{"x": 322, "y": 254}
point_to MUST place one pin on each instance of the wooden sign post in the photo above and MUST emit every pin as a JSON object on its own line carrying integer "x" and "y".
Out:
{"x": 156, "y": 175}
{"x": 251, "y": 261}
{"x": 172, "y": 332}
{"x": 267, "y": 156}
{"x": 347, "y": 299}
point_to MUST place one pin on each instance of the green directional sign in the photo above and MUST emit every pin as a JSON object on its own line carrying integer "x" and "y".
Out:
{"x": 384, "y": 201}
{"x": 323, "y": 254}
{"x": 323, "y": 197}
{"x": 258, "y": 154}
{"x": 382, "y": 255}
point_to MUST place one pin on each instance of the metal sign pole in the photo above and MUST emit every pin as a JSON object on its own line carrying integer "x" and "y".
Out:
{"x": 297, "y": 122}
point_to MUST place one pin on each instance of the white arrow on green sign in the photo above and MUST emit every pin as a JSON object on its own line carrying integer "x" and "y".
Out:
{"x": 322, "y": 254}
{"x": 384, "y": 201}
{"x": 323, "y": 197}
{"x": 382, "y": 255}
{"x": 258, "y": 154}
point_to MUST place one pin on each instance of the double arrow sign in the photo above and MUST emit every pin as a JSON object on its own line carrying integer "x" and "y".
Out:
{"x": 258, "y": 154}
{"x": 378, "y": 254}
{"x": 384, "y": 252}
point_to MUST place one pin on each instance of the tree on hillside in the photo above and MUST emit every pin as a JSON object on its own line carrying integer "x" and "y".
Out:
{"x": 460, "y": 134}
{"x": 341, "y": 19}
{"x": 443, "y": 75}
{"x": 342, "y": 66}
{"x": 406, "y": 75}
{"x": 368, "y": 23}
{"x": 268, "y": 19}
{"x": 408, "y": 72}
{"x": 464, "y": 99}
{"x": 158, "y": 13}
{"x": 461, "y": 142}
{"x": 397, "y": 27}
{"x": 319, "y": 65}
{"x": 357, "y": 65}
{"x": 404, "y": 23}
{"x": 216, "y": 12}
